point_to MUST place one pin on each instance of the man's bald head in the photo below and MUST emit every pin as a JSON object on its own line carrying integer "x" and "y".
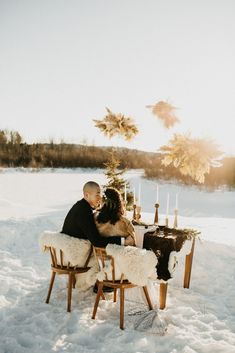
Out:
{"x": 91, "y": 192}
{"x": 90, "y": 186}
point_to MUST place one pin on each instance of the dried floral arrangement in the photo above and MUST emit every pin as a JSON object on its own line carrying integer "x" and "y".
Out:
{"x": 117, "y": 125}
{"x": 165, "y": 112}
{"x": 192, "y": 156}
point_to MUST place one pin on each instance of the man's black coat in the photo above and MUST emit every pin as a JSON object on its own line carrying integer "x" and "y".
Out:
{"x": 80, "y": 223}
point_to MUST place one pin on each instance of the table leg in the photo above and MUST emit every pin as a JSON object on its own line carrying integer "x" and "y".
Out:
{"x": 188, "y": 266}
{"x": 162, "y": 295}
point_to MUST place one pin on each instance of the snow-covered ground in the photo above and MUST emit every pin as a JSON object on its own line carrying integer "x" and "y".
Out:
{"x": 199, "y": 319}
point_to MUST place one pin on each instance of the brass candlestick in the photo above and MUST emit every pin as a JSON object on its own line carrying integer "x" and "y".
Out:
{"x": 175, "y": 225}
{"x": 167, "y": 221}
{"x": 156, "y": 213}
{"x": 136, "y": 213}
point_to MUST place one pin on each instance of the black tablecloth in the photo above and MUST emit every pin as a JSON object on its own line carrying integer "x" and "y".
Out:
{"x": 162, "y": 246}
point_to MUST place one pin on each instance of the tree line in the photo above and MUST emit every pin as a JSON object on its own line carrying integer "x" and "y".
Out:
{"x": 14, "y": 152}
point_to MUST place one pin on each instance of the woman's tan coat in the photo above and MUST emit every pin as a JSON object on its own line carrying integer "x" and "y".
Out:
{"x": 123, "y": 227}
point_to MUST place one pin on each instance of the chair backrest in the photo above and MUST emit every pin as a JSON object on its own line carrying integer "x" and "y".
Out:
{"x": 106, "y": 264}
{"x": 61, "y": 263}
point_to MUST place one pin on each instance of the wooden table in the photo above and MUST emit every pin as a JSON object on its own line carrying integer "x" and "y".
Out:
{"x": 188, "y": 265}
{"x": 140, "y": 239}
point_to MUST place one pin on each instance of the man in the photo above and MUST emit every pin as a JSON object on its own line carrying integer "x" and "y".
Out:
{"x": 80, "y": 223}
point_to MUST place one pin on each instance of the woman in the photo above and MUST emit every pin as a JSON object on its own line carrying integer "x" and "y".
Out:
{"x": 110, "y": 220}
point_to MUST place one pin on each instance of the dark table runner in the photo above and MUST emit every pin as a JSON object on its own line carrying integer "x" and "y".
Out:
{"x": 162, "y": 245}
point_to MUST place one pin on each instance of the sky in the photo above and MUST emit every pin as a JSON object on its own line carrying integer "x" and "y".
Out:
{"x": 62, "y": 62}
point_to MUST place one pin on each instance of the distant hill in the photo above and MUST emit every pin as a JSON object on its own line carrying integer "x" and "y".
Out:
{"x": 65, "y": 155}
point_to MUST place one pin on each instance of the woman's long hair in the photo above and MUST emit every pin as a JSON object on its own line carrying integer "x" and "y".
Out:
{"x": 111, "y": 210}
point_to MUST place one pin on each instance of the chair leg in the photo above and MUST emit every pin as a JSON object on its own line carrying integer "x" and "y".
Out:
{"x": 74, "y": 281}
{"x": 115, "y": 295}
{"x": 102, "y": 294}
{"x": 122, "y": 308}
{"x": 148, "y": 298}
{"x": 98, "y": 295}
{"x": 50, "y": 286}
{"x": 162, "y": 297}
{"x": 70, "y": 292}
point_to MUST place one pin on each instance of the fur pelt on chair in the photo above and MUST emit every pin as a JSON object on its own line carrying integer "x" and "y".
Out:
{"x": 75, "y": 251}
{"x": 137, "y": 265}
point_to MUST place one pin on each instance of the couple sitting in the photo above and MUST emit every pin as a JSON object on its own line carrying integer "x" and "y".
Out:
{"x": 108, "y": 225}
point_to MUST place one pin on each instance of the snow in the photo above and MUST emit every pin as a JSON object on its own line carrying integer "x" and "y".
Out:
{"x": 199, "y": 319}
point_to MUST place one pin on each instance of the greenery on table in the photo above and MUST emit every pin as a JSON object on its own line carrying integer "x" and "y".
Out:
{"x": 188, "y": 232}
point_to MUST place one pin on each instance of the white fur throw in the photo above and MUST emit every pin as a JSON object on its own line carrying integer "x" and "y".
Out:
{"x": 137, "y": 265}
{"x": 172, "y": 264}
{"x": 75, "y": 251}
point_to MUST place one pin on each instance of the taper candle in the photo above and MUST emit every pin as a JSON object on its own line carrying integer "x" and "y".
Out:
{"x": 167, "y": 204}
{"x": 139, "y": 197}
{"x": 176, "y": 201}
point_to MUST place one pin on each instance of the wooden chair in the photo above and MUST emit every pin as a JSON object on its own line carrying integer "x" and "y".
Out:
{"x": 122, "y": 284}
{"x": 70, "y": 271}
